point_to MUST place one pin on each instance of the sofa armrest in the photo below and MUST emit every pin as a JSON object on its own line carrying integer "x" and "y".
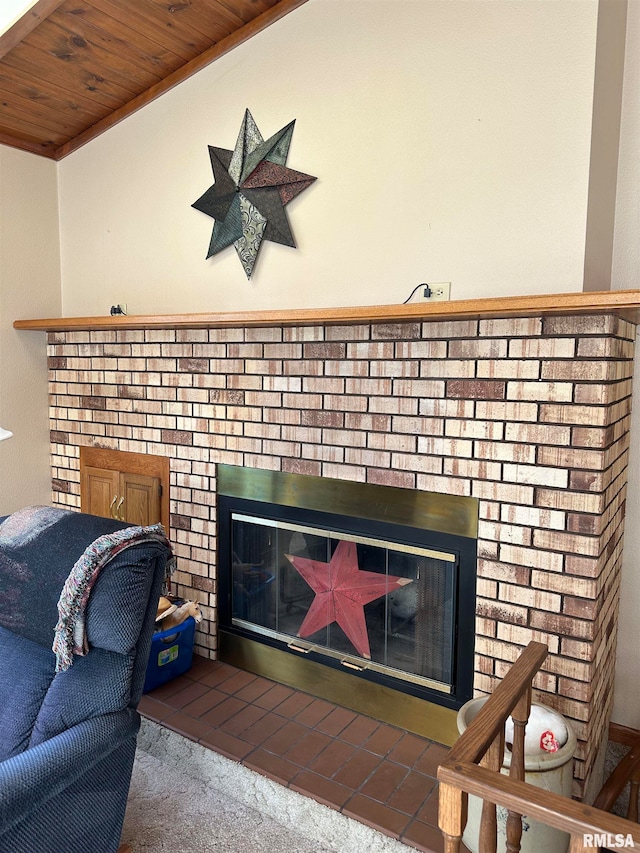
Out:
{"x": 39, "y": 774}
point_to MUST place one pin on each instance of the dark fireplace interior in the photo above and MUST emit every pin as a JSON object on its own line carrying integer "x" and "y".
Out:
{"x": 361, "y": 578}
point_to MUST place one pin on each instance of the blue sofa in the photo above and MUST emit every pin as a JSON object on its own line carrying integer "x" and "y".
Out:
{"x": 68, "y": 737}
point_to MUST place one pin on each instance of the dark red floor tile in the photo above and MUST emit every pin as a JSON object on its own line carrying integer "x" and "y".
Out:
{"x": 376, "y": 815}
{"x": 206, "y": 702}
{"x": 242, "y": 721}
{"x": 200, "y": 667}
{"x": 424, "y": 837}
{"x": 188, "y": 694}
{"x": 226, "y": 744}
{"x": 273, "y": 766}
{"x": 428, "y": 812}
{"x": 317, "y": 710}
{"x": 411, "y": 792}
{"x": 431, "y": 758}
{"x": 218, "y": 674}
{"x": 287, "y": 736}
{"x": 256, "y": 688}
{"x": 273, "y": 697}
{"x": 359, "y": 731}
{"x": 223, "y": 711}
{"x": 325, "y": 791}
{"x": 236, "y": 682}
{"x": 383, "y": 781}
{"x": 336, "y": 721}
{"x": 383, "y": 739}
{"x": 185, "y": 725}
{"x": 408, "y": 749}
{"x": 332, "y": 758}
{"x": 294, "y": 704}
{"x": 263, "y": 729}
{"x": 357, "y": 769}
{"x": 170, "y": 688}
{"x": 307, "y": 748}
{"x": 154, "y": 709}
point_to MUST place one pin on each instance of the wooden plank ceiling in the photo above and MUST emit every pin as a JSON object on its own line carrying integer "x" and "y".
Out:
{"x": 71, "y": 69}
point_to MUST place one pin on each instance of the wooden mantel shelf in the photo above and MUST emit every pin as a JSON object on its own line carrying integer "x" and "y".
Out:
{"x": 623, "y": 303}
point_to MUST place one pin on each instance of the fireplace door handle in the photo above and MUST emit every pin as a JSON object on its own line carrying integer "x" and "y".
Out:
{"x": 300, "y": 649}
{"x": 350, "y": 665}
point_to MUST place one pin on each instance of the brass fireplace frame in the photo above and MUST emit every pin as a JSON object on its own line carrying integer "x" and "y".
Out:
{"x": 450, "y": 514}
{"x": 454, "y": 514}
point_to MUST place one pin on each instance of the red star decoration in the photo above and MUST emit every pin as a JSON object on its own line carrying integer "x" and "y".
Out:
{"x": 341, "y": 591}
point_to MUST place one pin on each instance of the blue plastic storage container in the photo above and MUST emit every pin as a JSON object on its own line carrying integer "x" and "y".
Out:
{"x": 171, "y": 654}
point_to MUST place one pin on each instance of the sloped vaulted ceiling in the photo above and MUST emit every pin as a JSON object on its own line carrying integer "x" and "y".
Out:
{"x": 71, "y": 69}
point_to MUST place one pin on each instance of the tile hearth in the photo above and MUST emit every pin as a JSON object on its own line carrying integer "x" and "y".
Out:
{"x": 375, "y": 773}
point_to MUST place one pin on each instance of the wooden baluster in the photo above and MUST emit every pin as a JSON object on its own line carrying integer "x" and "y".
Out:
{"x": 452, "y": 843}
{"x": 519, "y": 716}
{"x": 634, "y": 788}
{"x": 452, "y": 816}
{"x": 488, "y": 841}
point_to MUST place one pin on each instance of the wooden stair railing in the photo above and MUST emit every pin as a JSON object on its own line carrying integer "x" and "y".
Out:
{"x": 628, "y": 770}
{"x": 473, "y": 767}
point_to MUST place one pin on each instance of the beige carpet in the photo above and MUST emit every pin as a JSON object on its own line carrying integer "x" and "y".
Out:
{"x": 186, "y": 799}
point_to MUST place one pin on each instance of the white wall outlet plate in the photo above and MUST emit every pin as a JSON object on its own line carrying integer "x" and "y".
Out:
{"x": 441, "y": 290}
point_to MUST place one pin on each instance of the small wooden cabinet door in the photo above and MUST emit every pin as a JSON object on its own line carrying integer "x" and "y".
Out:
{"x": 127, "y": 497}
{"x": 141, "y": 499}
{"x": 129, "y": 487}
{"x": 99, "y": 491}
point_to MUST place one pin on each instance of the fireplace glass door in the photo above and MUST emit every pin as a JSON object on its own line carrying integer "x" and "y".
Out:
{"x": 371, "y": 581}
{"x": 370, "y": 604}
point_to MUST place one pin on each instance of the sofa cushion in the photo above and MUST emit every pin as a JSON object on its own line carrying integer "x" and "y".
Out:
{"x": 118, "y": 601}
{"x": 26, "y": 672}
{"x": 38, "y": 548}
{"x": 98, "y": 683}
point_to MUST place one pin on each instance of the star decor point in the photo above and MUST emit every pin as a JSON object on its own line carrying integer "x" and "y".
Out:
{"x": 252, "y": 187}
{"x": 341, "y": 591}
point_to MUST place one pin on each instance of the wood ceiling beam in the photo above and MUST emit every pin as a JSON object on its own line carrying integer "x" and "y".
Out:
{"x": 39, "y": 12}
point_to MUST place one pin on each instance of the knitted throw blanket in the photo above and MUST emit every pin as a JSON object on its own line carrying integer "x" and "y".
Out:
{"x": 70, "y": 635}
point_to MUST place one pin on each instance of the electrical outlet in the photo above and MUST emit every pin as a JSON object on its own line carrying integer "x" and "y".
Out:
{"x": 123, "y": 305}
{"x": 439, "y": 291}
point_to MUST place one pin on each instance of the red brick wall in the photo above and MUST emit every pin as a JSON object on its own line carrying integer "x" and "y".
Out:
{"x": 529, "y": 415}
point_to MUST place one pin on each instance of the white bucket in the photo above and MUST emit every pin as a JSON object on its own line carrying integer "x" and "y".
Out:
{"x": 551, "y": 771}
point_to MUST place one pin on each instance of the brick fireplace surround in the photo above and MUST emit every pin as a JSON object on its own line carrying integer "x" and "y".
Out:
{"x": 529, "y": 414}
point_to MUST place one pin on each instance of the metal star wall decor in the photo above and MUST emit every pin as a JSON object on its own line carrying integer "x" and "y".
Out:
{"x": 342, "y": 590}
{"x": 252, "y": 186}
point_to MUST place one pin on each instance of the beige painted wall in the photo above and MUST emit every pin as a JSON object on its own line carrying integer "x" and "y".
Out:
{"x": 605, "y": 143}
{"x": 451, "y": 141}
{"x": 29, "y": 287}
